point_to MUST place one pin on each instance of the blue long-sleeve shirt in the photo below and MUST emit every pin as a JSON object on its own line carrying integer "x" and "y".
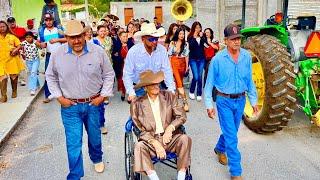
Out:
{"x": 139, "y": 60}
{"x": 230, "y": 77}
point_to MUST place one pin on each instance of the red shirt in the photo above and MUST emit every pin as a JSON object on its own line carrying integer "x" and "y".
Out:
{"x": 19, "y": 32}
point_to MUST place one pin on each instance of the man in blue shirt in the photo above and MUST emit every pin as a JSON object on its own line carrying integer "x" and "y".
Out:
{"x": 148, "y": 55}
{"x": 230, "y": 72}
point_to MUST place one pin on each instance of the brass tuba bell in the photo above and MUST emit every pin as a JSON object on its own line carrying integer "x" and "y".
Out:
{"x": 181, "y": 10}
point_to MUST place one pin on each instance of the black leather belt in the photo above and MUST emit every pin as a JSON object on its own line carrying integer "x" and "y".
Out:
{"x": 231, "y": 96}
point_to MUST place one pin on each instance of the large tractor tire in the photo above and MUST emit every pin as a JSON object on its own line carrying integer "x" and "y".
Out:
{"x": 273, "y": 74}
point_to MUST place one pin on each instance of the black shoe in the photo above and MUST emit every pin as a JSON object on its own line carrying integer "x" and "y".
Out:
{"x": 123, "y": 98}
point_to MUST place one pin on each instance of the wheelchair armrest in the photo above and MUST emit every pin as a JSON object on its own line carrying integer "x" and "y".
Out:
{"x": 136, "y": 131}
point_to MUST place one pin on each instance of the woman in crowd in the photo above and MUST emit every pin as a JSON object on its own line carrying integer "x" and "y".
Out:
{"x": 130, "y": 31}
{"x": 196, "y": 59}
{"x": 10, "y": 62}
{"x": 104, "y": 40}
{"x": 172, "y": 29}
{"x": 119, "y": 52}
{"x": 211, "y": 46}
{"x": 88, "y": 33}
{"x": 179, "y": 56}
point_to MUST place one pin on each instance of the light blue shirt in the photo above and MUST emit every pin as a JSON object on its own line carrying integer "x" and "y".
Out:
{"x": 230, "y": 77}
{"x": 139, "y": 60}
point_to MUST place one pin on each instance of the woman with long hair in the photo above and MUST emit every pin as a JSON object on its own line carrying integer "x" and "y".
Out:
{"x": 10, "y": 62}
{"x": 179, "y": 56}
{"x": 119, "y": 52}
{"x": 196, "y": 59}
{"x": 211, "y": 46}
{"x": 103, "y": 39}
{"x": 172, "y": 29}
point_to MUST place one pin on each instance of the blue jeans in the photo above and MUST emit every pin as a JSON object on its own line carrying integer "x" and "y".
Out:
{"x": 33, "y": 80}
{"x": 101, "y": 113}
{"x": 197, "y": 66}
{"x": 73, "y": 118}
{"x": 46, "y": 89}
{"x": 230, "y": 112}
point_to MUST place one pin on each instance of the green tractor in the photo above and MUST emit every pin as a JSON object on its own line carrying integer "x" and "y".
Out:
{"x": 286, "y": 70}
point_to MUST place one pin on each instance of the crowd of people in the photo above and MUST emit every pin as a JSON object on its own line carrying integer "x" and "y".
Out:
{"x": 82, "y": 62}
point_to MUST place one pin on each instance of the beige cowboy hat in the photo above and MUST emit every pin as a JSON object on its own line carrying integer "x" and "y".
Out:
{"x": 73, "y": 28}
{"x": 148, "y": 78}
{"x": 149, "y": 29}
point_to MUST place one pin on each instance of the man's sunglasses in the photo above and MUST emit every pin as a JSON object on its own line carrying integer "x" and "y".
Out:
{"x": 153, "y": 39}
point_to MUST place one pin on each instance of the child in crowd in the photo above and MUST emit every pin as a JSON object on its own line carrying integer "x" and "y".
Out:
{"x": 50, "y": 8}
{"x": 31, "y": 55}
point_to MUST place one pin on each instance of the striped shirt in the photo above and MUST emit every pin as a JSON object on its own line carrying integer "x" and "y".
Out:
{"x": 77, "y": 77}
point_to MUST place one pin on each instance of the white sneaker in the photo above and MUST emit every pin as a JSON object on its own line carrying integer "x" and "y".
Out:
{"x": 191, "y": 96}
{"x": 199, "y": 98}
{"x": 32, "y": 93}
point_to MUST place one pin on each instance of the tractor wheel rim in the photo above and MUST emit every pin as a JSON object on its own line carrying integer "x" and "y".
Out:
{"x": 259, "y": 80}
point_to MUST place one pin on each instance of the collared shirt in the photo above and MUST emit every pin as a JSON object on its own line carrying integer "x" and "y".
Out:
{"x": 78, "y": 77}
{"x": 230, "y": 77}
{"x": 139, "y": 60}
{"x": 155, "y": 106}
{"x": 49, "y": 35}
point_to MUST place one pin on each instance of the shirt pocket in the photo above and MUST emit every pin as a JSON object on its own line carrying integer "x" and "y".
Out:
{"x": 91, "y": 68}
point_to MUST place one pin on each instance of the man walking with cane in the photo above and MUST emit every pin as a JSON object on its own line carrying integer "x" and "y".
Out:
{"x": 230, "y": 72}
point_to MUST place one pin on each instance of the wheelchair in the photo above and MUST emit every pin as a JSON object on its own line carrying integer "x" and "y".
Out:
{"x": 131, "y": 134}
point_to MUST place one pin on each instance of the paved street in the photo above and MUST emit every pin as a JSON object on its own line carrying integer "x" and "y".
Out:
{"x": 37, "y": 150}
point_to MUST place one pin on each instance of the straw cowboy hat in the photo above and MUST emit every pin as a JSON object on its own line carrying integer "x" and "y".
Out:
{"x": 148, "y": 78}
{"x": 149, "y": 29}
{"x": 73, "y": 28}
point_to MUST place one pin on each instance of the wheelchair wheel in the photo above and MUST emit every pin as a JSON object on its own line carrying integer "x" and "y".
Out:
{"x": 128, "y": 147}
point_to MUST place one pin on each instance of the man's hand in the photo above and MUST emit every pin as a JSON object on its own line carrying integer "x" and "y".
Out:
{"x": 211, "y": 113}
{"x": 161, "y": 153}
{"x": 167, "y": 136}
{"x": 131, "y": 98}
{"x": 255, "y": 110}
{"x": 97, "y": 101}
{"x": 65, "y": 102}
{"x": 52, "y": 41}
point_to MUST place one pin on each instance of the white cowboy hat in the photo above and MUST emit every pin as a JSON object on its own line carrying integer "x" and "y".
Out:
{"x": 73, "y": 28}
{"x": 149, "y": 29}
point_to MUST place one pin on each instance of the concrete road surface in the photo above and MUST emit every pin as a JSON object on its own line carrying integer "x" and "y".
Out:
{"x": 37, "y": 148}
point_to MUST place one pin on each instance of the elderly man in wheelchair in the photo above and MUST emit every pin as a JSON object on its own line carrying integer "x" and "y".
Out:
{"x": 158, "y": 118}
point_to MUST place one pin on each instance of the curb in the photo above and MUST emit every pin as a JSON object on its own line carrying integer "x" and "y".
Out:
{"x": 7, "y": 134}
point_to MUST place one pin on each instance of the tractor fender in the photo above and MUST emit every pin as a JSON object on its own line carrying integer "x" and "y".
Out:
{"x": 277, "y": 31}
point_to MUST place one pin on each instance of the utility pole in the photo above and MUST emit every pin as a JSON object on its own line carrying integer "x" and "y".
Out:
{"x": 87, "y": 10}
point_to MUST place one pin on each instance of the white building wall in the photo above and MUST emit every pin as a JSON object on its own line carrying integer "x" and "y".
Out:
{"x": 142, "y": 9}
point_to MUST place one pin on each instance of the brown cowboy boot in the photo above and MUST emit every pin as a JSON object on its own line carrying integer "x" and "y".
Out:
{"x": 3, "y": 86}
{"x": 221, "y": 157}
{"x": 236, "y": 178}
{"x": 14, "y": 85}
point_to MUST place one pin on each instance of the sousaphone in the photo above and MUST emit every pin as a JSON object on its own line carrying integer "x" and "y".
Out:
{"x": 181, "y": 10}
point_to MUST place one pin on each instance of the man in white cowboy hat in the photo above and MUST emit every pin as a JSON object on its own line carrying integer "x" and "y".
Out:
{"x": 147, "y": 55}
{"x": 80, "y": 76}
{"x": 158, "y": 116}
